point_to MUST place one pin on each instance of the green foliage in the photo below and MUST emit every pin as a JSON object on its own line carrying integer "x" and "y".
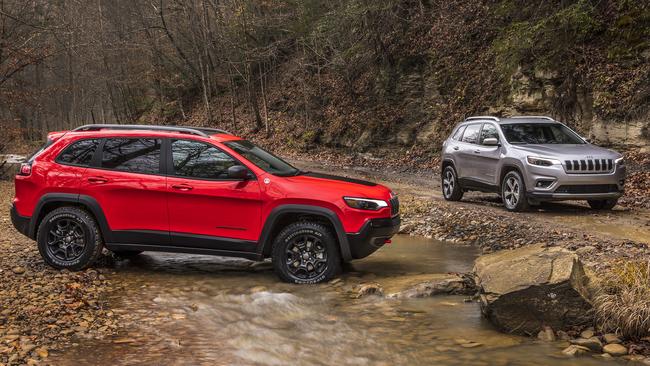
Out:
{"x": 544, "y": 40}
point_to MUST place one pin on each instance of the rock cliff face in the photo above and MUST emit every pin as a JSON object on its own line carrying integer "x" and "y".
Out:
{"x": 525, "y": 289}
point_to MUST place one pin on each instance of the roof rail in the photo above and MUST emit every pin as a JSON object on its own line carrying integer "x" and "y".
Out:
{"x": 199, "y": 131}
{"x": 533, "y": 117}
{"x": 482, "y": 117}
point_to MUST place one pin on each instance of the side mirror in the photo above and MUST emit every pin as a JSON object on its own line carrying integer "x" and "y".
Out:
{"x": 238, "y": 172}
{"x": 491, "y": 141}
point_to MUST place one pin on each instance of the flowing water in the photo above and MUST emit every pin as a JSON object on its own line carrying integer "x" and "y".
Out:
{"x": 199, "y": 310}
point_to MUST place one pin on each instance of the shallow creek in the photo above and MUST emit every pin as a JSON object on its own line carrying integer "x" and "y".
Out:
{"x": 200, "y": 310}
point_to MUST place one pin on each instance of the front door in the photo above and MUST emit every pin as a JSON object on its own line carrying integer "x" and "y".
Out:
{"x": 206, "y": 208}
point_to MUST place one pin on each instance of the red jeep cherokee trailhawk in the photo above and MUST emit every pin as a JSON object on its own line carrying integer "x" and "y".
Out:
{"x": 193, "y": 190}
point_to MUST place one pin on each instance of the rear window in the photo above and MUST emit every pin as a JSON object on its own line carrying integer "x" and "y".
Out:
{"x": 79, "y": 153}
{"x": 132, "y": 155}
{"x": 458, "y": 133}
{"x": 471, "y": 133}
{"x": 40, "y": 150}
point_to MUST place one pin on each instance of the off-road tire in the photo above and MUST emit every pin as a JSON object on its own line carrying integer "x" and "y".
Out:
{"x": 451, "y": 189}
{"x": 92, "y": 238}
{"x": 513, "y": 192}
{"x": 602, "y": 204}
{"x": 294, "y": 232}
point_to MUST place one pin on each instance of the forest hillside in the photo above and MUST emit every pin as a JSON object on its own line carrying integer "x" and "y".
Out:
{"x": 362, "y": 75}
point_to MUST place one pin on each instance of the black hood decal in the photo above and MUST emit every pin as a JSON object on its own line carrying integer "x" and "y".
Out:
{"x": 339, "y": 178}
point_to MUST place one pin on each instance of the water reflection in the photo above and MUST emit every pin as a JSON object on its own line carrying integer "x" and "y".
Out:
{"x": 216, "y": 311}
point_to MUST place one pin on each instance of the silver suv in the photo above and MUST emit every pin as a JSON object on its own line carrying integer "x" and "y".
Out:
{"x": 527, "y": 160}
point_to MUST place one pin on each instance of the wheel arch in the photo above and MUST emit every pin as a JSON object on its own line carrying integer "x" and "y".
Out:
{"x": 283, "y": 215}
{"x": 507, "y": 168}
{"x": 445, "y": 163}
{"x": 51, "y": 201}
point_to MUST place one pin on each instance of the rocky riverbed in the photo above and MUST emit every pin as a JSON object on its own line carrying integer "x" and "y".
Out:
{"x": 47, "y": 312}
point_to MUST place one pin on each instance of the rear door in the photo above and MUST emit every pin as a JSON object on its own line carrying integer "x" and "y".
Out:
{"x": 487, "y": 156}
{"x": 129, "y": 184}
{"x": 468, "y": 165}
{"x": 206, "y": 208}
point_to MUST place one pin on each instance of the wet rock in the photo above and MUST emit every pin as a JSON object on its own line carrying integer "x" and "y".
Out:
{"x": 615, "y": 349}
{"x": 611, "y": 338}
{"x": 467, "y": 343}
{"x": 369, "y": 289}
{"x": 453, "y": 284}
{"x": 562, "y": 335}
{"x": 524, "y": 289}
{"x": 592, "y": 343}
{"x": 574, "y": 350}
{"x": 546, "y": 334}
{"x": 587, "y": 333}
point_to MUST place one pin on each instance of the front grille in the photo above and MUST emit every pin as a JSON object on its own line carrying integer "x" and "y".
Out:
{"x": 587, "y": 188}
{"x": 589, "y": 166}
{"x": 394, "y": 206}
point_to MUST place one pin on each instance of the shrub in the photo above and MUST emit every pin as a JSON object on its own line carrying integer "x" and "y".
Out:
{"x": 623, "y": 303}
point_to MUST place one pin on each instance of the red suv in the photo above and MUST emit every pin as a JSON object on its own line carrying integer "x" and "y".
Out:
{"x": 194, "y": 190}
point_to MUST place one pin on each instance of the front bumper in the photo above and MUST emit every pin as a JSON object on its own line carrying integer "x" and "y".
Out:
{"x": 21, "y": 223}
{"x": 372, "y": 236}
{"x": 567, "y": 186}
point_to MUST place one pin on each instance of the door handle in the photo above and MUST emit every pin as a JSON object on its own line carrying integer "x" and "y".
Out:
{"x": 182, "y": 187}
{"x": 97, "y": 180}
{"x": 456, "y": 147}
{"x": 477, "y": 151}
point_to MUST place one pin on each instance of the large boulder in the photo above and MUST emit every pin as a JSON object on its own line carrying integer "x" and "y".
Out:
{"x": 525, "y": 289}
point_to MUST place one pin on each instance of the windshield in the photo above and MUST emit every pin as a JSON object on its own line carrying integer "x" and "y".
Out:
{"x": 262, "y": 158}
{"x": 540, "y": 133}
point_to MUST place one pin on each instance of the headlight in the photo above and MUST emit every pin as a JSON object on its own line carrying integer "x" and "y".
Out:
{"x": 365, "y": 203}
{"x": 620, "y": 161}
{"x": 534, "y": 160}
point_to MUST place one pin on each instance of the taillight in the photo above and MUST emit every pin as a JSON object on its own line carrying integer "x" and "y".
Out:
{"x": 25, "y": 169}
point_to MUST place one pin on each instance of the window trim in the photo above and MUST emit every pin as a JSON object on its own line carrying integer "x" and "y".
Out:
{"x": 456, "y": 130}
{"x": 170, "y": 163}
{"x": 92, "y": 159}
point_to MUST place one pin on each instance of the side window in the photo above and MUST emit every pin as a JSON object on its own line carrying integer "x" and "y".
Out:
{"x": 471, "y": 133}
{"x": 489, "y": 131}
{"x": 195, "y": 159}
{"x": 458, "y": 133}
{"x": 79, "y": 153}
{"x": 132, "y": 155}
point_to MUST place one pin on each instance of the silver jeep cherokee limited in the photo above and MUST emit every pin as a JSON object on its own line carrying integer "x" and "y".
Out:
{"x": 528, "y": 160}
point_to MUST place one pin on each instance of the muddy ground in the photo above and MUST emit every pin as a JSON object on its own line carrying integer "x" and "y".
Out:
{"x": 45, "y": 311}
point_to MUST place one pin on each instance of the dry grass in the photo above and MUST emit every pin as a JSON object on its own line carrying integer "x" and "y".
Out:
{"x": 623, "y": 304}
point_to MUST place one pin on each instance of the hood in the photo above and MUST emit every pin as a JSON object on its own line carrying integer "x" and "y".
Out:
{"x": 568, "y": 152}
{"x": 343, "y": 185}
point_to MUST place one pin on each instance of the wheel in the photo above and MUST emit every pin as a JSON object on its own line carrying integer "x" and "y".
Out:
{"x": 306, "y": 252}
{"x": 451, "y": 190}
{"x": 513, "y": 192}
{"x": 127, "y": 253}
{"x": 68, "y": 237}
{"x": 603, "y": 204}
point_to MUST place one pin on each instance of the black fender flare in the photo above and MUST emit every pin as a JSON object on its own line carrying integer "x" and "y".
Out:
{"x": 85, "y": 201}
{"x": 507, "y": 166}
{"x": 266, "y": 240}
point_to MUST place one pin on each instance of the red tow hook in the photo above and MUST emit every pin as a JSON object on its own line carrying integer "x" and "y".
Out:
{"x": 387, "y": 241}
